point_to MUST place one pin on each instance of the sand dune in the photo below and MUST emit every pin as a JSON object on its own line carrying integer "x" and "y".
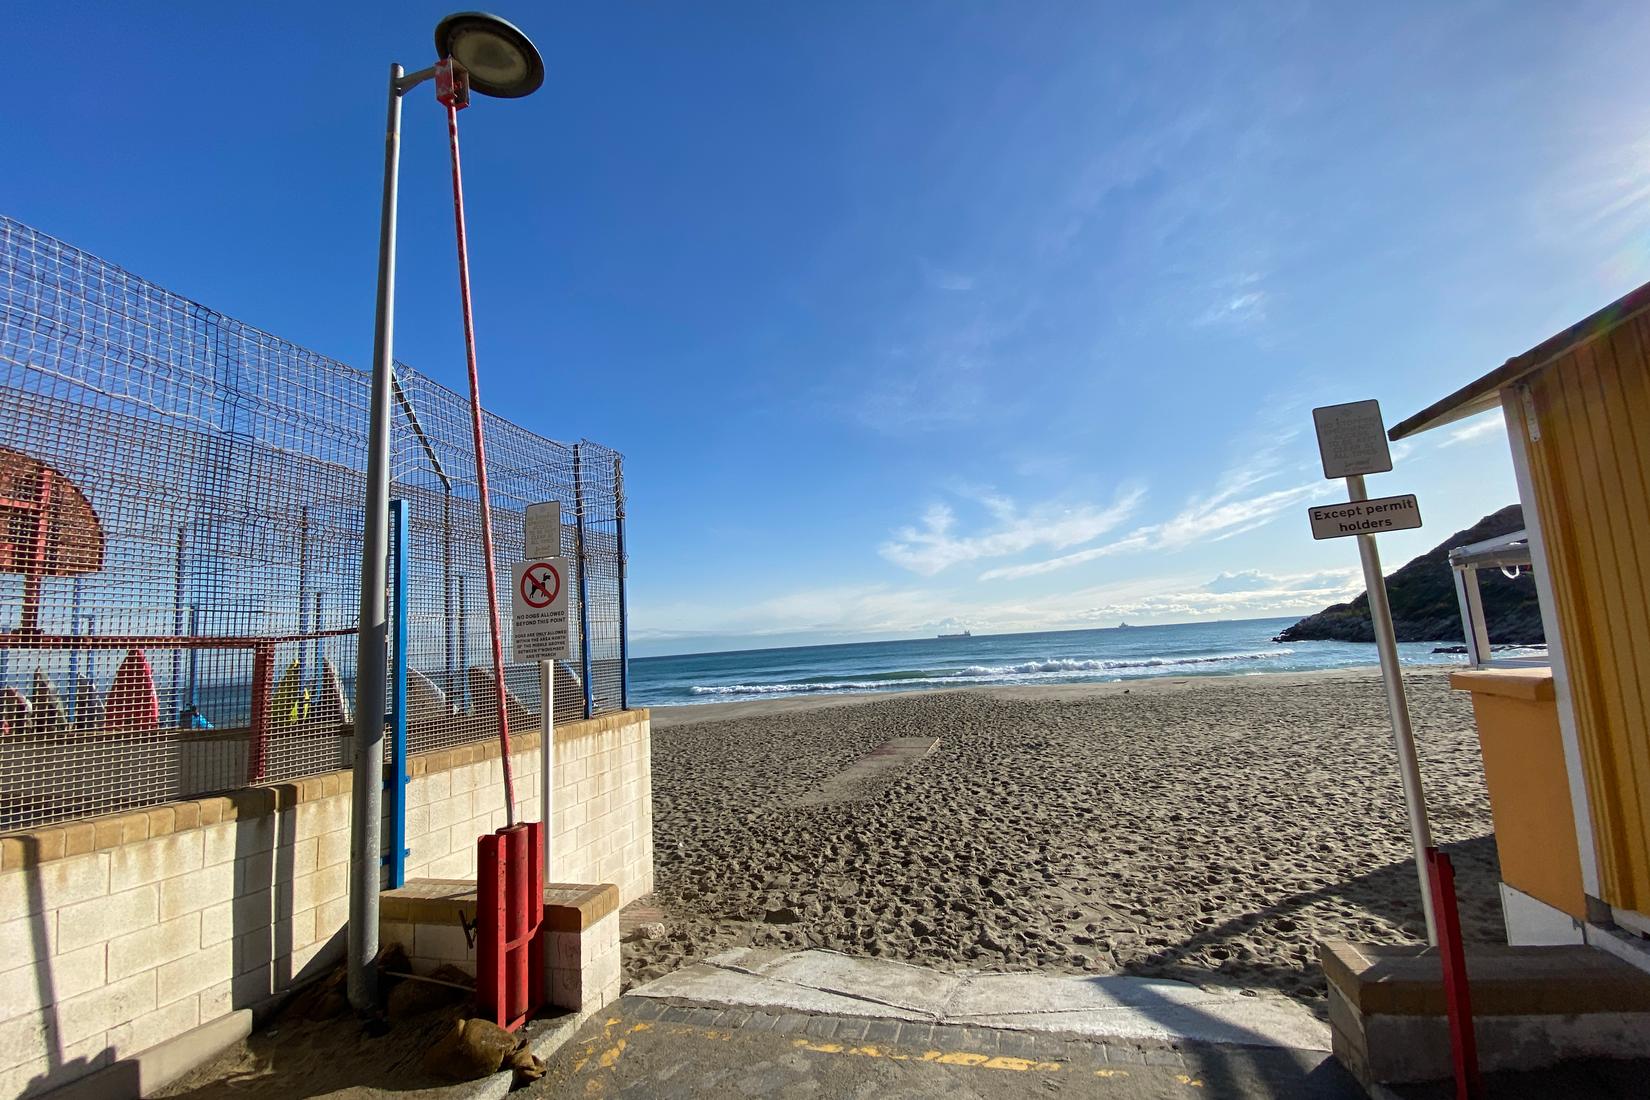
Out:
{"x": 1206, "y": 829}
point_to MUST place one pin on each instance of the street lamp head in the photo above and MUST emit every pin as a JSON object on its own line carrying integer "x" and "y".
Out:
{"x": 500, "y": 59}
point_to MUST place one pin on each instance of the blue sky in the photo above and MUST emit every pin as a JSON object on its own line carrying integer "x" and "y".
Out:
{"x": 906, "y": 316}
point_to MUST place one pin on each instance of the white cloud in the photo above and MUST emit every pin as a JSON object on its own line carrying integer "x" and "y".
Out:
{"x": 1246, "y": 306}
{"x": 1221, "y": 515}
{"x": 932, "y": 547}
{"x": 1253, "y": 580}
{"x": 880, "y": 610}
{"x": 1480, "y": 427}
{"x": 838, "y": 611}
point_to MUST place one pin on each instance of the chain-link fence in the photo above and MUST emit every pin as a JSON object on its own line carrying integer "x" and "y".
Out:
{"x": 180, "y": 517}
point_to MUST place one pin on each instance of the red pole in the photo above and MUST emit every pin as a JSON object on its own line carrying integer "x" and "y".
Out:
{"x": 481, "y": 472}
{"x": 1457, "y": 996}
{"x": 263, "y": 690}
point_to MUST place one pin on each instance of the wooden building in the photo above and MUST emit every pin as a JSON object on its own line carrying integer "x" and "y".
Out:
{"x": 1567, "y": 749}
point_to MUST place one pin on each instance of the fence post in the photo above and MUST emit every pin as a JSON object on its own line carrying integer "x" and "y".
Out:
{"x": 263, "y": 686}
{"x": 584, "y": 585}
{"x": 624, "y": 567}
{"x": 396, "y": 781}
{"x": 180, "y": 622}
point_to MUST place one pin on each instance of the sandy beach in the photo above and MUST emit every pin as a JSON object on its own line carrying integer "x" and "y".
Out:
{"x": 1208, "y": 829}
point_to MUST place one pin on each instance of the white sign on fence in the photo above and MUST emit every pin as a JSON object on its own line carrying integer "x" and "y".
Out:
{"x": 539, "y": 609}
{"x": 1365, "y": 517}
{"x": 1352, "y": 439}
{"x": 542, "y": 530}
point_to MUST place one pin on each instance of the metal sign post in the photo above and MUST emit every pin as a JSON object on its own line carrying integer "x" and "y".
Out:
{"x": 1397, "y": 705}
{"x": 541, "y": 538}
{"x": 547, "y": 759}
{"x": 539, "y": 622}
{"x": 1352, "y": 442}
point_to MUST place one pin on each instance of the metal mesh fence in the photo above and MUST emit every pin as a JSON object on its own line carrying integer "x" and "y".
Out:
{"x": 180, "y": 517}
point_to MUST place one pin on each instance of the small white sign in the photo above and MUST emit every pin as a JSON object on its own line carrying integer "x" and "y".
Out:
{"x": 541, "y": 530}
{"x": 1352, "y": 439}
{"x": 539, "y": 609}
{"x": 1365, "y": 517}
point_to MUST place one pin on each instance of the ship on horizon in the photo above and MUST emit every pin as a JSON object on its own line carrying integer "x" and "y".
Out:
{"x": 964, "y": 634}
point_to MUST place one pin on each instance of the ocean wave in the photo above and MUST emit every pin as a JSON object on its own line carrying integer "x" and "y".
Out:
{"x": 810, "y": 687}
{"x": 1053, "y": 669}
{"x": 1068, "y": 665}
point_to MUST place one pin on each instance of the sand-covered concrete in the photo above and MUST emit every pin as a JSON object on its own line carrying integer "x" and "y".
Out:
{"x": 1207, "y": 829}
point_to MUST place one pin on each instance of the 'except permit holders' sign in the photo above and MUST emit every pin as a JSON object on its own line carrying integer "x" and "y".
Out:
{"x": 1352, "y": 439}
{"x": 1365, "y": 517}
{"x": 538, "y": 612}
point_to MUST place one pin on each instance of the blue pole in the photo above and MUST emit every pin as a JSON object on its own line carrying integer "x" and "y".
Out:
{"x": 396, "y": 781}
{"x": 624, "y": 614}
{"x": 584, "y": 586}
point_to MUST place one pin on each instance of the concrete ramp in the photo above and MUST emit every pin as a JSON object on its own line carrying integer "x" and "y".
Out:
{"x": 874, "y": 772}
{"x": 1101, "y": 1007}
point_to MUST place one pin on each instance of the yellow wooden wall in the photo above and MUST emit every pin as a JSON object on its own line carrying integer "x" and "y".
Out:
{"x": 1591, "y": 471}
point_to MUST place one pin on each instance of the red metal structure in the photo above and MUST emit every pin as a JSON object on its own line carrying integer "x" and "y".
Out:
{"x": 453, "y": 89}
{"x": 509, "y": 863}
{"x": 510, "y": 918}
{"x": 1469, "y": 1085}
{"x": 47, "y": 529}
{"x": 263, "y": 668}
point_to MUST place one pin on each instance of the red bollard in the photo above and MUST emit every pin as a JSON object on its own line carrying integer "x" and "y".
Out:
{"x": 510, "y": 924}
{"x": 1457, "y": 996}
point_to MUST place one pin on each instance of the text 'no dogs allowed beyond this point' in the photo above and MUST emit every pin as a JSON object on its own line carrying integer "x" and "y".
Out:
{"x": 539, "y": 610}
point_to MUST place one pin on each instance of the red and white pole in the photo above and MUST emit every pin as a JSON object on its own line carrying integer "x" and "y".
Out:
{"x": 453, "y": 90}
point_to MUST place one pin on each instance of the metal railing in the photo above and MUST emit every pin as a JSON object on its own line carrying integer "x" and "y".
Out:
{"x": 1509, "y": 553}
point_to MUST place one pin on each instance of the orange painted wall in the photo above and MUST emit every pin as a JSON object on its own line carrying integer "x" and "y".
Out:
{"x": 1535, "y": 833}
{"x": 1590, "y": 463}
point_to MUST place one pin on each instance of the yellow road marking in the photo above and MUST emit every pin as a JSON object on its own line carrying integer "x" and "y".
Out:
{"x": 1021, "y": 1065}
{"x": 957, "y": 1058}
{"x": 974, "y": 1059}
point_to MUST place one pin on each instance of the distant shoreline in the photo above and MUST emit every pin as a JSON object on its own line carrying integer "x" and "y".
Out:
{"x": 689, "y": 713}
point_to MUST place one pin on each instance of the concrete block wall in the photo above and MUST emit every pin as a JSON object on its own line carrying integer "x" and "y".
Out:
{"x": 123, "y": 932}
{"x": 585, "y": 967}
{"x": 603, "y": 804}
{"x": 429, "y": 918}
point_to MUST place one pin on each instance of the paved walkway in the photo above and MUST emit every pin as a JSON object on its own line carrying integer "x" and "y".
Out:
{"x": 816, "y": 1023}
{"x": 1104, "y": 1007}
{"x": 644, "y": 1047}
{"x": 872, "y": 773}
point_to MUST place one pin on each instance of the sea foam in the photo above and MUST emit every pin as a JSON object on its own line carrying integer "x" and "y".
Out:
{"x": 1054, "y": 669}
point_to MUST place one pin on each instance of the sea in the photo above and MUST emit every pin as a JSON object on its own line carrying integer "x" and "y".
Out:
{"x": 1232, "y": 648}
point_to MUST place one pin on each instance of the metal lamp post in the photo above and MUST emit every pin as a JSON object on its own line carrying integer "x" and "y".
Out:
{"x": 501, "y": 62}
